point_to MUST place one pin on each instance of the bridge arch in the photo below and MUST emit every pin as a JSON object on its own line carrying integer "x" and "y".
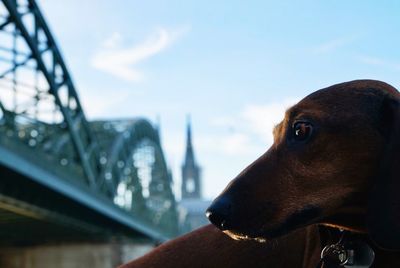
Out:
{"x": 42, "y": 124}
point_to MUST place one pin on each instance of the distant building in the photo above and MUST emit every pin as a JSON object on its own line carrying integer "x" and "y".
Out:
{"x": 192, "y": 205}
{"x": 191, "y": 184}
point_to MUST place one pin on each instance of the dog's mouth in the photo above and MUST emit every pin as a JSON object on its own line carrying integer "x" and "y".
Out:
{"x": 244, "y": 237}
{"x": 261, "y": 235}
{"x": 303, "y": 217}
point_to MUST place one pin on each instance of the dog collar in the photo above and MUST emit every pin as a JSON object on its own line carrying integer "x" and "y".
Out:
{"x": 350, "y": 251}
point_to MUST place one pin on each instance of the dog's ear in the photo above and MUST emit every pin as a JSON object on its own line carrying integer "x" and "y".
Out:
{"x": 384, "y": 208}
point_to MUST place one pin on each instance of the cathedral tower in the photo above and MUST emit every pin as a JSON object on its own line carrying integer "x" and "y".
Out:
{"x": 191, "y": 184}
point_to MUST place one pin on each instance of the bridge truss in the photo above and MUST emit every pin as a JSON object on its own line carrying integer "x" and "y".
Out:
{"x": 116, "y": 168}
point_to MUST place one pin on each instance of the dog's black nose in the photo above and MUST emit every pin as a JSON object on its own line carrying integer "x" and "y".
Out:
{"x": 219, "y": 213}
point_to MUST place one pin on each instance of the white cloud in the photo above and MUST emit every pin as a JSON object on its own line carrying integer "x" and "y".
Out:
{"x": 376, "y": 61}
{"x": 238, "y": 143}
{"x": 121, "y": 61}
{"x": 334, "y": 44}
{"x": 113, "y": 42}
{"x": 236, "y": 140}
{"x": 223, "y": 121}
{"x": 261, "y": 119}
{"x": 103, "y": 105}
{"x": 254, "y": 123}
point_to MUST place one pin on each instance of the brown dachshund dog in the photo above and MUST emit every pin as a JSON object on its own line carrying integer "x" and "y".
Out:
{"x": 335, "y": 162}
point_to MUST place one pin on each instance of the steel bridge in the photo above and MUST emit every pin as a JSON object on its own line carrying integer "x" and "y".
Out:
{"x": 63, "y": 177}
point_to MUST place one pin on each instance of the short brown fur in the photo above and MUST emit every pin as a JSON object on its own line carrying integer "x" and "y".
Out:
{"x": 346, "y": 175}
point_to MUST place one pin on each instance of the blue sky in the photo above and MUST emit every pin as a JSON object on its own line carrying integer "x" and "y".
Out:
{"x": 233, "y": 65}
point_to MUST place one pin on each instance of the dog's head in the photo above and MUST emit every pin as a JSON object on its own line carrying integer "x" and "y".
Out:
{"x": 335, "y": 160}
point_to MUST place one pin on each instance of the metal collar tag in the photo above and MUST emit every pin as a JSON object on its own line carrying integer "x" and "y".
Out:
{"x": 351, "y": 254}
{"x": 360, "y": 254}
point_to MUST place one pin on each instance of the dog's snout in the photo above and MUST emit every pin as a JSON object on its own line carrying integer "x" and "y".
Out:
{"x": 219, "y": 213}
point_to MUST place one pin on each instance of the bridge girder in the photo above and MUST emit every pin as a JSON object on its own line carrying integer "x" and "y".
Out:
{"x": 42, "y": 121}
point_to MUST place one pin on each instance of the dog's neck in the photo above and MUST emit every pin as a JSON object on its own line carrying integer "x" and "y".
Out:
{"x": 345, "y": 227}
{"x": 354, "y": 221}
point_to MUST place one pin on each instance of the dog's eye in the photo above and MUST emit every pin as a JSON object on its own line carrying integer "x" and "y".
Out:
{"x": 302, "y": 131}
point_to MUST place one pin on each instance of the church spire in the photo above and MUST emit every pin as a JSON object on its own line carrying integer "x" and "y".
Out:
{"x": 189, "y": 156}
{"x": 191, "y": 185}
{"x": 188, "y": 130}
